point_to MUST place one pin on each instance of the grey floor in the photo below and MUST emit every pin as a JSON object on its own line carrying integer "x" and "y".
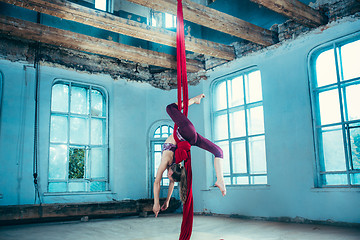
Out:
{"x": 168, "y": 227}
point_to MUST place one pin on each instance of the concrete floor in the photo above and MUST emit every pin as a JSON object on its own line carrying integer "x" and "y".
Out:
{"x": 168, "y": 227}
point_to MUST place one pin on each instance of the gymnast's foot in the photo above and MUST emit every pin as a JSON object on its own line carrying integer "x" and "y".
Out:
{"x": 198, "y": 98}
{"x": 221, "y": 186}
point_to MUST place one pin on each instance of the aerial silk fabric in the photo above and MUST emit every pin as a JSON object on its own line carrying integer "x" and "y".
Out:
{"x": 183, "y": 151}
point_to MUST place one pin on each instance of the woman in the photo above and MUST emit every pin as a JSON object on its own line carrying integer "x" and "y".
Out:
{"x": 176, "y": 173}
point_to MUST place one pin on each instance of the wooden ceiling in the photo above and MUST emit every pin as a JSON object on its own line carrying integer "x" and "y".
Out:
{"x": 193, "y": 12}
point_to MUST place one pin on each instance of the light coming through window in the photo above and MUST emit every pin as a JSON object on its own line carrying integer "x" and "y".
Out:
{"x": 78, "y": 158}
{"x": 336, "y": 93}
{"x": 238, "y": 127}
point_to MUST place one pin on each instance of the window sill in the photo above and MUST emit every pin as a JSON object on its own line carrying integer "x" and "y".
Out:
{"x": 75, "y": 193}
{"x": 241, "y": 187}
{"x": 336, "y": 189}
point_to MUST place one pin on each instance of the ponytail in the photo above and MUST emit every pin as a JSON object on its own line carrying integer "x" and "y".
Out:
{"x": 183, "y": 185}
{"x": 179, "y": 175}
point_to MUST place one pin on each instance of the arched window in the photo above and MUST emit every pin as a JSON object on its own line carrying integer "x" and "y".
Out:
{"x": 156, "y": 142}
{"x": 238, "y": 127}
{"x": 78, "y": 152}
{"x": 335, "y": 87}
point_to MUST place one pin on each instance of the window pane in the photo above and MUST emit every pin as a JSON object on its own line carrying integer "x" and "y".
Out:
{"x": 236, "y": 91}
{"x": 79, "y": 100}
{"x": 170, "y": 21}
{"x": 329, "y": 107}
{"x": 355, "y": 147}
{"x": 57, "y": 187}
{"x": 76, "y": 163}
{"x": 333, "y": 149}
{"x": 58, "y": 129}
{"x": 239, "y": 157}
{"x": 79, "y": 130}
{"x": 165, "y": 131}
{"x": 157, "y": 161}
{"x": 98, "y": 164}
{"x": 165, "y": 182}
{"x": 97, "y": 186}
{"x": 57, "y": 162}
{"x": 350, "y": 60}
{"x": 221, "y": 127}
{"x": 76, "y": 186}
{"x": 60, "y": 98}
{"x": 253, "y": 87}
{"x": 257, "y": 154}
{"x": 100, "y": 4}
{"x": 241, "y": 180}
{"x": 227, "y": 180}
{"x": 97, "y": 131}
{"x": 255, "y": 120}
{"x": 355, "y": 178}
{"x": 352, "y": 101}
{"x": 258, "y": 179}
{"x": 97, "y": 103}
{"x": 220, "y": 96}
{"x": 325, "y": 68}
{"x": 237, "y": 124}
{"x": 157, "y": 147}
{"x": 226, "y": 160}
{"x": 334, "y": 179}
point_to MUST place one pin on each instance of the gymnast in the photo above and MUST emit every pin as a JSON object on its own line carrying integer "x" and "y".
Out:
{"x": 177, "y": 173}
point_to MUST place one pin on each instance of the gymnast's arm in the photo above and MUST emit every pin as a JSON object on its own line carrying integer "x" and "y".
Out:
{"x": 161, "y": 169}
{"x": 170, "y": 191}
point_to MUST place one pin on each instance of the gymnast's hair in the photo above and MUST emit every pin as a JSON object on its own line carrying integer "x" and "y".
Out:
{"x": 179, "y": 175}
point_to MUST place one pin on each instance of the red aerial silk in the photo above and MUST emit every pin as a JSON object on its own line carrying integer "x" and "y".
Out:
{"x": 183, "y": 151}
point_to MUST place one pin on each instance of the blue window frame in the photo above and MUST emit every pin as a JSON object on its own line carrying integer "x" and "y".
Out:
{"x": 238, "y": 127}
{"x": 156, "y": 142}
{"x": 335, "y": 87}
{"x": 78, "y": 152}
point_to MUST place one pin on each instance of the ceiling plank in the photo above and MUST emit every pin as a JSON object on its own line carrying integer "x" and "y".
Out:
{"x": 74, "y": 12}
{"x": 296, "y": 10}
{"x": 67, "y": 39}
{"x": 214, "y": 19}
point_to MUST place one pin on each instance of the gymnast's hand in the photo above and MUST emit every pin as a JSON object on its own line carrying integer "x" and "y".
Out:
{"x": 165, "y": 206}
{"x": 156, "y": 209}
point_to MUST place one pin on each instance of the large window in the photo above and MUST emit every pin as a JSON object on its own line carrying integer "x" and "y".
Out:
{"x": 238, "y": 127}
{"x": 156, "y": 142}
{"x": 78, "y": 154}
{"x": 335, "y": 75}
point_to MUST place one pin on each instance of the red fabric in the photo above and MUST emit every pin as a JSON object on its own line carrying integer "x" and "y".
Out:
{"x": 183, "y": 151}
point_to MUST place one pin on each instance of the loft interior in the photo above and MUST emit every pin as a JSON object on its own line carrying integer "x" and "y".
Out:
{"x": 84, "y": 85}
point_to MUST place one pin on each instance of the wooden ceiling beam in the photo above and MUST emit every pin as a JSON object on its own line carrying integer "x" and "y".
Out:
{"x": 214, "y": 19}
{"x": 99, "y": 19}
{"x": 67, "y": 39}
{"x": 296, "y": 10}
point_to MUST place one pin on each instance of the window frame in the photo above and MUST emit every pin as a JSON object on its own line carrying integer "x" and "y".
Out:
{"x": 229, "y": 139}
{"x": 89, "y": 146}
{"x": 153, "y": 141}
{"x": 339, "y": 86}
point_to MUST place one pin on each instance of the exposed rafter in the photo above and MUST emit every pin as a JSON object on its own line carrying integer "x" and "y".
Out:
{"x": 214, "y": 19}
{"x": 74, "y": 12}
{"x": 68, "y": 39}
{"x": 296, "y": 10}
